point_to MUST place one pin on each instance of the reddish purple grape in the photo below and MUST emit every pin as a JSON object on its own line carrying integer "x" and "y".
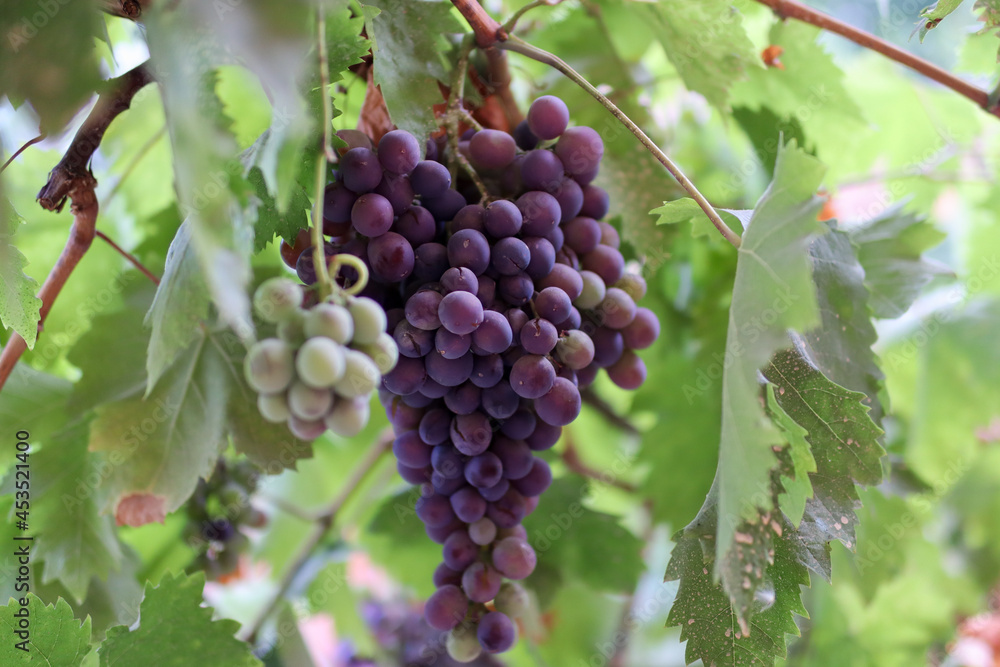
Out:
{"x": 398, "y": 152}
{"x": 446, "y": 608}
{"x": 514, "y": 558}
{"x": 468, "y": 505}
{"x": 642, "y": 331}
{"x": 391, "y": 257}
{"x": 360, "y": 170}
{"x": 492, "y": 149}
{"x": 561, "y": 405}
{"x": 481, "y": 582}
{"x": 532, "y": 376}
{"x": 629, "y": 372}
{"x": 548, "y": 117}
{"x": 580, "y": 149}
{"x": 430, "y": 178}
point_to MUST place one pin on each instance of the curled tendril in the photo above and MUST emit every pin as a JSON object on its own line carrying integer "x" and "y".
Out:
{"x": 347, "y": 259}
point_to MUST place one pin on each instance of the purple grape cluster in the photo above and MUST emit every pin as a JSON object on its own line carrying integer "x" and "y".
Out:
{"x": 501, "y": 313}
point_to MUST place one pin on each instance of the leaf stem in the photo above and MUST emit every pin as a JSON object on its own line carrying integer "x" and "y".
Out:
{"x": 29, "y": 142}
{"x": 323, "y": 280}
{"x": 788, "y": 9}
{"x": 124, "y": 253}
{"x": 518, "y": 45}
{"x": 324, "y": 522}
{"x": 510, "y": 23}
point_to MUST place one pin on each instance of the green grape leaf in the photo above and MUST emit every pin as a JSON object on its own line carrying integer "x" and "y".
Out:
{"x": 407, "y": 46}
{"x": 106, "y": 378}
{"x": 181, "y": 304}
{"x": 174, "y": 627}
{"x": 773, "y": 292}
{"x": 48, "y": 58}
{"x": 706, "y": 42}
{"x": 766, "y": 130}
{"x": 841, "y": 346}
{"x": 56, "y": 637}
{"x": 273, "y": 222}
{"x": 809, "y": 90}
{"x": 703, "y": 610}
{"x": 73, "y": 539}
{"x": 795, "y": 482}
{"x": 989, "y": 14}
{"x": 27, "y": 403}
{"x": 842, "y": 436}
{"x": 687, "y": 210}
{"x": 585, "y": 545}
{"x": 934, "y": 14}
{"x": 890, "y": 249}
{"x": 168, "y": 438}
{"x": 187, "y": 44}
{"x": 19, "y": 307}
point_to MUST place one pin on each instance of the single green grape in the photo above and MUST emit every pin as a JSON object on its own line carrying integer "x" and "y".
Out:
{"x": 384, "y": 352}
{"x": 593, "y": 292}
{"x": 320, "y": 362}
{"x": 309, "y": 403}
{"x": 462, "y": 643}
{"x": 277, "y": 298}
{"x": 369, "y": 319}
{"x": 273, "y": 407}
{"x": 360, "y": 376}
{"x": 268, "y": 366}
{"x": 513, "y": 600}
{"x": 349, "y": 416}
{"x": 330, "y": 320}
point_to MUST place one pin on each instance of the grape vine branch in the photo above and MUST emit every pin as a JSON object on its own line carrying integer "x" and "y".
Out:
{"x": 71, "y": 178}
{"x": 490, "y": 34}
{"x": 789, "y": 9}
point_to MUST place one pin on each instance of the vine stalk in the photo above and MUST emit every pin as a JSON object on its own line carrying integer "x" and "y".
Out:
{"x": 323, "y": 281}
{"x": 518, "y": 45}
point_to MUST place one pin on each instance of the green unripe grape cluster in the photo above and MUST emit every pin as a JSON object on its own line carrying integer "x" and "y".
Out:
{"x": 321, "y": 370}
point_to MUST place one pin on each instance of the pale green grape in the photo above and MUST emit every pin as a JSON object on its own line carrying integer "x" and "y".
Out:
{"x": 513, "y": 600}
{"x": 383, "y": 352}
{"x": 273, "y": 407}
{"x": 330, "y": 320}
{"x": 369, "y": 320}
{"x": 593, "y": 290}
{"x": 309, "y": 403}
{"x": 320, "y": 362}
{"x": 304, "y": 429}
{"x": 277, "y": 298}
{"x": 348, "y": 417}
{"x": 360, "y": 377}
{"x": 462, "y": 643}
{"x": 268, "y": 366}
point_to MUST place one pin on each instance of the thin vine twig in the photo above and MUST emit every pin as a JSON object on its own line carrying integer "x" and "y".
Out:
{"x": 131, "y": 258}
{"x": 789, "y": 9}
{"x": 71, "y": 178}
{"x": 511, "y": 23}
{"x": 324, "y": 522}
{"x": 29, "y": 142}
{"x": 456, "y": 113}
{"x": 520, "y": 46}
